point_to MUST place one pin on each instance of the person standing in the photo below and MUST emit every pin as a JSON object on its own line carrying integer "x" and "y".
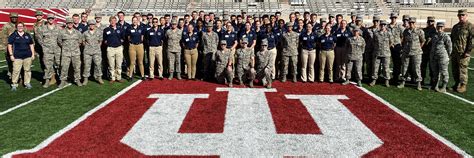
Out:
{"x": 135, "y": 34}
{"x": 439, "y": 57}
{"x": 462, "y": 35}
{"x": 70, "y": 39}
{"x": 356, "y": 48}
{"x": 155, "y": 38}
{"x": 113, "y": 38}
{"x": 289, "y": 42}
{"x": 210, "y": 40}
{"x": 342, "y": 34}
{"x": 382, "y": 44}
{"x": 173, "y": 37}
{"x": 21, "y": 51}
{"x": 47, "y": 37}
{"x": 327, "y": 44}
{"x": 7, "y": 30}
{"x": 397, "y": 32}
{"x": 190, "y": 43}
{"x": 429, "y": 31}
{"x": 413, "y": 40}
{"x": 92, "y": 53}
{"x": 308, "y": 53}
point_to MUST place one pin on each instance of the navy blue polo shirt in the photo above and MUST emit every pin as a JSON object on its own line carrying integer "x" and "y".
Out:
{"x": 250, "y": 37}
{"x": 135, "y": 34}
{"x": 327, "y": 42}
{"x": 82, "y": 27}
{"x": 308, "y": 41}
{"x": 190, "y": 41}
{"x": 230, "y": 38}
{"x": 342, "y": 36}
{"x": 279, "y": 32}
{"x": 113, "y": 37}
{"x": 125, "y": 25}
{"x": 155, "y": 37}
{"x": 21, "y": 45}
{"x": 272, "y": 39}
{"x": 220, "y": 33}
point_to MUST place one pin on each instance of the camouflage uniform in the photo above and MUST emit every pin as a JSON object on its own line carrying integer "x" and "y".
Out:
{"x": 290, "y": 42}
{"x": 382, "y": 42}
{"x": 356, "y": 49}
{"x": 92, "y": 52}
{"x": 245, "y": 57}
{"x": 397, "y": 32}
{"x": 70, "y": 41}
{"x": 48, "y": 38}
{"x": 7, "y": 30}
{"x": 439, "y": 58}
{"x": 224, "y": 72}
{"x": 174, "y": 51}
{"x": 461, "y": 36}
{"x": 368, "y": 35}
{"x": 412, "y": 41}
{"x": 264, "y": 66}
{"x": 425, "y": 60}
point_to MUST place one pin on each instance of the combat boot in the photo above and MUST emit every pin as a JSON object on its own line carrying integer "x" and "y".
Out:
{"x": 46, "y": 84}
{"x": 418, "y": 87}
{"x": 240, "y": 81}
{"x": 283, "y": 79}
{"x": 251, "y": 84}
{"x": 99, "y": 80}
{"x": 230, "y": 85}
{"x": 401, "y": 85}
{"x": 462, "y": 88}
{"x": 387, "y": 83}
{"x": 443, "y": 87}
{"x": 78, "y": 82}
{"x": 436, "y": 88}
{"x": 346, "y": 82}
{"x": 171, "y": 76}
{"x": 178, "y": 76}
{"x": 62, "y": 84}
{"x": 359, "y": 83}
{"x": 372, "y": 83}
{"x": 294, "y": 79}
{"x": 86, "y": 80}
{"x": 269, "y": 85}
{"x": 53, "y": 80}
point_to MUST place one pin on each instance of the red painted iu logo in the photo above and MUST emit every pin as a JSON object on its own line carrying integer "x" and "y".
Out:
{"x": 192, "y": 118}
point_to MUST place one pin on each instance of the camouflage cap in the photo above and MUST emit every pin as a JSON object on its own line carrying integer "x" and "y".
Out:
{"x": 393, "y": 15}
{"x": 353, "y": 14}
{"x": 69, "y": 20}
{"x": 223, "y": 42}
{"x": 51, "y": 16}
{"x": 412, "y": 19}
{"x": 462, "y": 11}
{"x": 383, "y": 22}
{"x": 406, "y": 17}
{"x": 244, "y": 40}
{"x": 431, "y": 18}
{"x": 209, "y": 24}
{"x": 97, "y": 15}
{"x": 39, "y": 13}
{"x": 376, "y": 18}
{"x": 264, "y": 42}
{"x": 91, "y": 22}
{"x": 357, "y": 29}
{"x": 174, "y": 21}
{"x": 440, "y": 24}
{"x": 13, "y": 15}
{"x": 289, "y": 24}
{"x": 331, "y": 15}
{"x": 323, "y": 19}
{"x": 359, "y": 18}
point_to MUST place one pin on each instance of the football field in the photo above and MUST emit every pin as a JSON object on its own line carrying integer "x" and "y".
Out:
{"x": 201, "y": 118}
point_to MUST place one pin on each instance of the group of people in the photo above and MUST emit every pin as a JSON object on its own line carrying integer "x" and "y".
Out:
{"x": 242, "y": 48}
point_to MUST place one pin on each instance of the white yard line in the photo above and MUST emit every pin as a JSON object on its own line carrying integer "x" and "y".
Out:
{"x": 1, "y": 61}
{"x": 426, "y": 129}
{"x": 73, "y": 124}
{"x": 459, "y": 98}
{"x": 32, "y": 100}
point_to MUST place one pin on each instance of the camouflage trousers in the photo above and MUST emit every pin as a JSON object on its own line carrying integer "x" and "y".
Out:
{"x": 174, "y": 59}
{"x": 51, "y": 59}
{"x": 439, "y": 66}
{"x": 244, "y": 74}
{"x": 76, "y": 64}
{"x": 95, "y": 58}
{"x": 287, "y": 60}
{"x": 273, "y": 61}
{"x": 354, "y": 64}
{"x": 224, "y": 73}
{"x": 415, "y": 62}
{"x": 383, "y": 62}
{"x": 459, "y": 67}
{"x": 264, "y": 75}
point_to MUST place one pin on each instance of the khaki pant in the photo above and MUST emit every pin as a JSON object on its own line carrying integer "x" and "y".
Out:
{"x": 156, "y": 53}
{"x": 191, "y": 57}
{"x": 17, "y": 65}
{"x": 341, "y": 60}
{"x": 136, "y": 52}
{"x": 307, "y": 62}
{"x": 115, "y": 58}
{"x": 326, "y": 58}
{"x": 459, "y": 68}
{"x": 273, "y": 52}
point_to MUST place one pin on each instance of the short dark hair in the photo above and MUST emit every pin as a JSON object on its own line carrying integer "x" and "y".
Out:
{"x": 120, "y": 12}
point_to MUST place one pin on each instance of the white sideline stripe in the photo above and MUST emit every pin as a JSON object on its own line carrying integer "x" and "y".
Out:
{"x": 32, "y": 100}
{"x": 3, "y": 66}
{"x": 72, "y": 125}
{"x": 426, "y": 129}
{"x": 460, "y": 98}
{"x": 1, "y": 61}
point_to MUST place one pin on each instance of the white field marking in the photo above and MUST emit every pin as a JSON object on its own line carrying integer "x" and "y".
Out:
{"x": 470, "y": 68}
{"x": 249, "y": 130}
{"x": 72, "y": 125}
{"x": 1, "y": 61}
{"x": 460, "y": 98}
{"x": 64, "y": 11}
{"x": 411, "y": 119}
{"x": 3, "y": 66}
{"x": 32, "y": 100}
{"x": 25, "y": 16}
{"x": 59, "y": 16}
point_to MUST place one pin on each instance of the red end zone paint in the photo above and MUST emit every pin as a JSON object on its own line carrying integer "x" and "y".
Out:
{"x": 100, "y": 134}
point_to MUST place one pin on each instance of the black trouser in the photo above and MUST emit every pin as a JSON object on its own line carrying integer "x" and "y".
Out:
{"x": 425, "y": 61}
{"x": 397, "y": 61}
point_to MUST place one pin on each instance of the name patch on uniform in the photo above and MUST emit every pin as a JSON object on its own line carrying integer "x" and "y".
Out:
{"x": 108, "y": 32}
{"x": 133, "y": 31}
